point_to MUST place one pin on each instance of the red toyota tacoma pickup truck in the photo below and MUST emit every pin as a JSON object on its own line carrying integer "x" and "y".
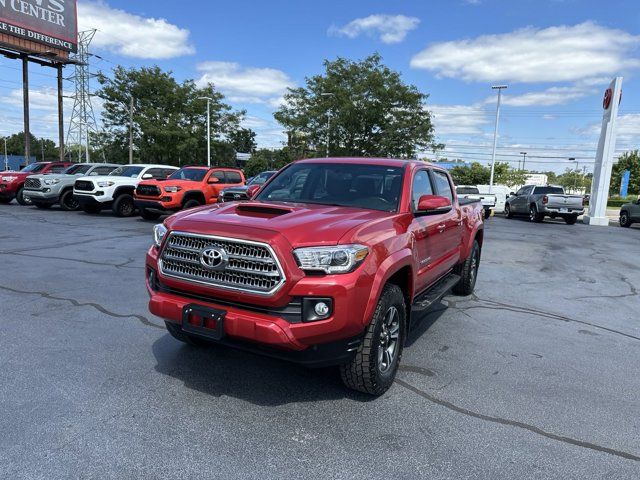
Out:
{"x": 12, "y": 183}
{"x": 325, "y": 265}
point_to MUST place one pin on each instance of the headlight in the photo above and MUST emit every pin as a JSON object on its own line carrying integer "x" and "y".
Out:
{"x": 159, "y": 231}
{"x": 172, "y": 189}
{"x": 106, "y": 184}
{"x": 9, "y": 179}
{"x": 340, "y": 259}
{"x": 52, "y": 181}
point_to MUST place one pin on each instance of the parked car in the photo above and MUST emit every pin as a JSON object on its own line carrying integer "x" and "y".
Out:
{"x": 324, "y": 266}
{"x": 473, "y": 193}
{"x": 501, "y": 192}
{"x": 540, "y": 202}
{"x": 630, "y": 213}
{"x": 239, "y": 193}
{"x": 187, "y": 188}
{"x": 44, "y": 191}
{"x": 12, "y": 184}
{"x": 116, "y": 189}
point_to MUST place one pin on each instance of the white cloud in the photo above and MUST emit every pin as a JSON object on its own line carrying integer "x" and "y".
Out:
{"x": 131, "y": 35}
{"x": 459, "y": 119}
{"x": 554, "y": 54}
{"x": 545, "y": 98}
{"x": 628, "y": 131}
{"x": 268, "y": 133}
{"x": 388, "y": 28}
{"x": 246, "y": 84}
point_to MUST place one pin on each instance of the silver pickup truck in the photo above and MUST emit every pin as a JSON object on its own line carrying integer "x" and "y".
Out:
{"x": 540, "y": 202}
{"x": 473, "y": 193}
{"x": 45, "y": 191}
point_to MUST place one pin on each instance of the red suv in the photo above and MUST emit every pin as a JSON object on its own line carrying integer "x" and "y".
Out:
{"x": 12, "y": 183}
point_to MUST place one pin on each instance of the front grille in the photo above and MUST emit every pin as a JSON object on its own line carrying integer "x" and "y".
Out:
{"x": 148, "y": 191}
{"x": 32, "y": 184}
{"x": 252, "y": 267}
{"x": 83, "y": 186}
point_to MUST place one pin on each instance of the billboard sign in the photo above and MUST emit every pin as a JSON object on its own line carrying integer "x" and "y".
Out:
{"x": 49, "y": 22}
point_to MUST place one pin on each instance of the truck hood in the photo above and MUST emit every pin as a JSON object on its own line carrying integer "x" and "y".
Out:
{"x": 57, "y": 176}
{"x": 109, "y": 178}
{"x": 300, "y": 224}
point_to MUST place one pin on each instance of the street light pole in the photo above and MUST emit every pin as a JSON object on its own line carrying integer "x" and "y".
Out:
{"x": 208, "y": 99}
{"x": 328, "y": 94}
{"x": 524, "y": 159}
{"x": 131, "y": 130}
{"x": 495, "y": 134}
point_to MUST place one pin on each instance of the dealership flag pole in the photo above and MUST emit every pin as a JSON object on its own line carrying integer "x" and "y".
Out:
{"x": 495, "y": 135}
{"x": 25, "y": 98}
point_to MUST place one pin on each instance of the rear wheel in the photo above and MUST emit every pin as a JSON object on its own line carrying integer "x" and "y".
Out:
{"x": 22, "y": 200}
{"x": 468, "y": 271}
{"x": 176, "y": 332}
{"x": 42, "y": 206}
{"x": 67, "y": 202}
{"x": 148, "y": 214}
{"x": 123, "y": 206}
{"x": 507, "y": 211}
{"x": 192, "y": 203}
{"x": 374, "y": 367}
{"x": 487, "y": 213}
{"x": 625, "y": 220}
{"x": 571, "y": 219}
{"x": 534, "y": 216}
{"x": 91, "y": 209}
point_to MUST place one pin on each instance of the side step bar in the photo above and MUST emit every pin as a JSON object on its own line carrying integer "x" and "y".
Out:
{"x": 435, "y": 293}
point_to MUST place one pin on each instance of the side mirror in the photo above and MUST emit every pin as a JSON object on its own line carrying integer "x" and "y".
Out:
{"x": 433, "y": 205}
{"x": 252, "y": 190}
{"x": 513, "y": 194}
{"x": 214, "y": 180}
{"x": 147, "y": 176}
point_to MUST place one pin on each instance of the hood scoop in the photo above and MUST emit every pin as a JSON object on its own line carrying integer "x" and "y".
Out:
{"x": 262, "y": 210}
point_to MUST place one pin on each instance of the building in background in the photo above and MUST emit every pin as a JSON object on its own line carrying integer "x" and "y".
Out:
{"x": 15, "y": 162}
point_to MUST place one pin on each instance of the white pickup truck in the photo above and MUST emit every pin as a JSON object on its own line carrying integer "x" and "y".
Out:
{"x": 473, "y": 193}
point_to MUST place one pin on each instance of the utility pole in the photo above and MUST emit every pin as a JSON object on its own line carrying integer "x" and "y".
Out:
{"x": 42, "y": 147}
{"x": 209, "y": 100}
{"x": 328, "y": 94}
{"x": 524, "y": 160}
{"x": 131, "y": 131}
{"x": 495, "y": 134}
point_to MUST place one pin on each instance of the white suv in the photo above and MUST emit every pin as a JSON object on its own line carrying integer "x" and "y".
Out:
{"x": 116, "y": 189}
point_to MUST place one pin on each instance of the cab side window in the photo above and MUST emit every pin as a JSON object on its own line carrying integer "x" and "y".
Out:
{"x": 57, "y": 169}
{"x": 421, "y": 186}
{"x": 157, "y": 173}
{"x": 102, "y": 171}
{"x": 217, "y": 174}
{"x": 443, "y": 187}
{"x": 233, "y": 177}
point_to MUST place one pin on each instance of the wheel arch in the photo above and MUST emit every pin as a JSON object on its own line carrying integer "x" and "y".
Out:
{"x": 193, "y": 194}
{"x": 126, "y": 189}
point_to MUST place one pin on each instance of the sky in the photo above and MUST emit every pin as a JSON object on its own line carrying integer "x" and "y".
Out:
{"x": 556, "y": 56}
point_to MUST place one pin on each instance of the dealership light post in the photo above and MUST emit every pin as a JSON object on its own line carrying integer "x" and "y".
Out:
{"x": 328, "y": 94}
{"x": 495, "y": 135}
{"x": 209, "y": 100}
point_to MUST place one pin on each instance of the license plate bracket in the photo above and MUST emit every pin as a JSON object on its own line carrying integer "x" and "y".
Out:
{"x": 203, "y": 321}
{"x": 564, "y": 210}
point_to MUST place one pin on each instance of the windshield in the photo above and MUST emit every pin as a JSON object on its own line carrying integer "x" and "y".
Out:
{"x": 131, "y": 172}
{"x": 34, "y": 167}
{"x": 194, "y": 174}
{"x": 261, "y": 178}
{"x": 77, "y": 170}
{"x": 467, "y": 191}
{"x": 549, "y": 190}
{"x": 373, "y": 187}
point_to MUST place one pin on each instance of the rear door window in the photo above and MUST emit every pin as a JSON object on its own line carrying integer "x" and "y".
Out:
{"x": 233, "y": 177}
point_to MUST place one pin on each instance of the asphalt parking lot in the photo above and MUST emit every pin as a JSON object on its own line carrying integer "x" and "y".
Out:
{"x": 536, "y": 376}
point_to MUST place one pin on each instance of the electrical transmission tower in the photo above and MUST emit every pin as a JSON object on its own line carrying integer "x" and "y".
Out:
{"x": 82, "y": 124}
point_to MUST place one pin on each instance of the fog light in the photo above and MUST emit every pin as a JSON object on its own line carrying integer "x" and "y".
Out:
{"x": 321, "y": 309}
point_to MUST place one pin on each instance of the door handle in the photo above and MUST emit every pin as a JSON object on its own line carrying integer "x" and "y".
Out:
{"x": 442, "y": 227}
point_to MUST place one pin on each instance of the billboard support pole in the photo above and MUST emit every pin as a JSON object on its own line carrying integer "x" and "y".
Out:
{"x": 60, "y": 113}
{"x": 25, "y": 98}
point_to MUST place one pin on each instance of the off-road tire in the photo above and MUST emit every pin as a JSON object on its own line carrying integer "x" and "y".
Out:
{"x": 625, "y": 219}
{"x": 91, "y": 209}
{"x": 191, "y": 203}
{"x": 68, "y": 203}
{"x": 487, "y": 213}
{"x": 507, "y": 211}
{"x": 468, "y": 271}
{"x": 571, "y": 219}
{"x": 363, "y": 372}
{"x": 148, "y": 214}
{"x": 123, "y": 206}
{"x": 42, "y": 206}
{"x": 534, "y": 215}
{"x": 21, "y": 199}
{"x": 176, "y": 332}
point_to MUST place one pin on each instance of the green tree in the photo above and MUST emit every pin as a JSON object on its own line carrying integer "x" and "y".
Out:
{"x": 628, "y": 161}
{"x": 266, "y": 159}
{"x": 243, "y": 140}
{"x": 505, "y": 175}
{"x": 475, "y": 174}
{"x": 15, "y": 146}
{"x": 169, "y": 118}
{"x": 372, "y": 111}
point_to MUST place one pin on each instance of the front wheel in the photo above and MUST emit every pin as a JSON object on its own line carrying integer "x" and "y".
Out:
{"x": 68, "y": 203}
{"x": 507, "y": 211}
{"x": 625, "y": 220}
{"x": 468, "y": 271}
{"x": 22, "y": 200}
{"x": 123, "y": 206}
{"x": 193, "y": 203}
{"x": 375, "y": 364}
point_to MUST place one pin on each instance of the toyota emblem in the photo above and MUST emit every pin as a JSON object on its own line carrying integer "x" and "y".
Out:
{"x": 214, "y": 258}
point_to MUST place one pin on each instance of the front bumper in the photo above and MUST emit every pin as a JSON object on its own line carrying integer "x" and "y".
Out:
{"x": 156, "y": 205}
{"x": 93, "y": 200}
{"x": 8, "y": 190}
{"x": 42, "y": 196}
